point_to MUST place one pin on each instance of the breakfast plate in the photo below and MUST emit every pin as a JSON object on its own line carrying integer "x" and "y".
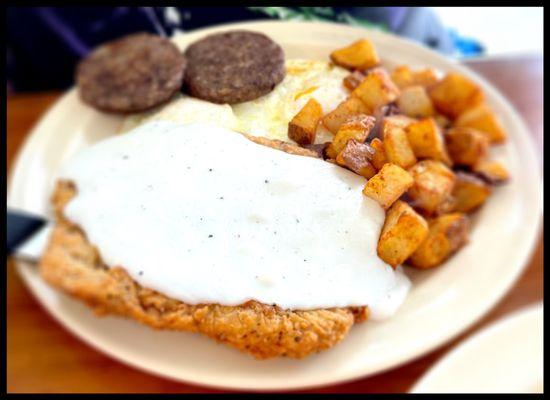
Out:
{"x": 442, "y": 302}
{"x": 506, "y": 357}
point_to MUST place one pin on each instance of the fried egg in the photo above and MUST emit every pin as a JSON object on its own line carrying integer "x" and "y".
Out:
{"x": 266, "y": 116}
{"x": 269, "y": 115}
{"x": 185, "y": 109}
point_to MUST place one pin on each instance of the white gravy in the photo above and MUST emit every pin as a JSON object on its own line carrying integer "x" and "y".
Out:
{"x": 203, "y": 215}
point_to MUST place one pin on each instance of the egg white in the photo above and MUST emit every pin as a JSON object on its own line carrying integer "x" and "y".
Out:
{"x": 266, "y": 116}
{"x": 269, "y": 115}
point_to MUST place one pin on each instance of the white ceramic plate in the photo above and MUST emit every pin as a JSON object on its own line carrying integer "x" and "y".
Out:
{"x": 506, "y": 357}
{"x": 442, "y": 303}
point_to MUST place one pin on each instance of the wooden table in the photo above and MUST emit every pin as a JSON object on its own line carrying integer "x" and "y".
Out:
{"x": 43, "y": 357}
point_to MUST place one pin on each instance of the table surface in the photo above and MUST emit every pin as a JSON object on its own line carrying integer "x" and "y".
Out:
{"x": 44, "y": 357}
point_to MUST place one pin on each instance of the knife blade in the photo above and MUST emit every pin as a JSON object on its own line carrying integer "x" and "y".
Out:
{"x": 27, "y": 235}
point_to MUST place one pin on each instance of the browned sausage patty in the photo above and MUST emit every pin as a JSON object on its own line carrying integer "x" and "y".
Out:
{"x": 233, "y": 67}
{"x": 131, "y": 74}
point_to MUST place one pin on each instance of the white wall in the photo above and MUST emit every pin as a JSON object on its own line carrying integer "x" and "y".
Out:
{"x": 502, "y": 30}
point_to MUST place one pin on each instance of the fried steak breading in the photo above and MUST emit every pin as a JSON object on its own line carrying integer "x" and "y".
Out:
{"x": 74, "y": 265}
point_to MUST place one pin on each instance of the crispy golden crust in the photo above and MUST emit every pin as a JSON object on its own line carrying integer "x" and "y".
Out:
{"x": 72, "y": 264}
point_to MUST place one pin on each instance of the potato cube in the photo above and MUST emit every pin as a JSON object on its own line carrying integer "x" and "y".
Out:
{"x": 388, "y": 185}
{"x": 427, "y": 140}
{"x": 403, "y": 231}
{"x": 356, "y": 127}
{"x": 446, "y": 235}
{"x": 401, "y": 121}
{"x": 353, "y": 80}
{"x": 379, "y": 158}
{"x": 454, "y": 94}
{"x": 340, "y": 114}
{"x": 492, "y": 171}
{"x": 357, "y": 157}
{"x": 415, "y": 102}
{"x": 467, "y": 146}
{"x": 469, "y": 192}
{"x": 484, "y": 120}
{"x": 433, "y": 186}
{"x": 303, "y": 127}
{"x": 425, "y": 77}
{"x": 358, "y": 55}
{"x": 403, "y": 77}
{"x": 397, "y": 147}
{"x": 376, "y": 90}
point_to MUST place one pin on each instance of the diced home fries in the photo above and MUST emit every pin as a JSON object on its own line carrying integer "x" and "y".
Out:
{"x": 421, "y": 127}
{"x": 415, "y": 102}
{"x": 358, "y": 55}
{"x": 484, "y": 120}
{"x": 379, "y": 158}
{"x": 492, "y": 171}
{"x": 427, "y": 140}
{"x": 376, "y": 90}
{"x": 350, "y": 107}
{"x": 356, "y": 127}
{"x": 397, "y": 146}
{"x": 303, "y": 127}
{"x": 467, "y": 146}
{"x": 353, "y": 80}
{"x": 433, "y": 186}
{"x": 469, "y": 193}
{"x": 388, "y": 185}
{"x": 403, "y": 77}
{"x": 403, "y": 232}
{"x": 446, "y": 235}
{"x": 454, "y": 94}
{"x": 357, "y": 156}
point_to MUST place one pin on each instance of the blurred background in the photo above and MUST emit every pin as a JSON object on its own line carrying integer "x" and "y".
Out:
{"x": 45, "y": 43}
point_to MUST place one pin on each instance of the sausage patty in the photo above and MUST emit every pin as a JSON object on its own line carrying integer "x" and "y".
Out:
{"x": 233, "y": 67}
{"x": 131, "y": 74}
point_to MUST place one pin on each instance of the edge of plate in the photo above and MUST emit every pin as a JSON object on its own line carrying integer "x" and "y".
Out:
{"x": 525, "y": 252}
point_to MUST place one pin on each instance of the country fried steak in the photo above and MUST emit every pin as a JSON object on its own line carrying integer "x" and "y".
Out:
{"x": 73, "y": 264}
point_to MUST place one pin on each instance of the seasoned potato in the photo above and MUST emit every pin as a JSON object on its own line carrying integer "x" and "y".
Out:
{"x": 353, "y": 80}
{"x": 401, "y": 121}
{"x": 427, "y": 140}
{"x": 484, "y": 120}
{"x": 358, "y": 55}
{"x": 403, "y": 77}
{"x": 446, "y": 235}
{"x": 303, "y": 126}
{"x": 425, "y": 77}
{"x": 357, "y": 157}
{"x": 403, "y": 232}
{"x": 469, "y": 192}
{"x": 454, "y": 94}
{"x": 467, "y": 146}
{"x": 376, "y": 90}
{"x": 388, "y": 185}
{"x": 379, "y": 158}
{"x": 415, "y": 102}
{"x": 397, "y": 147}
{"x": 356, "y": 127}
{"x": 340, "y": 114}
{"x": 433, "y": 186}
{"x": 492, "y": 171}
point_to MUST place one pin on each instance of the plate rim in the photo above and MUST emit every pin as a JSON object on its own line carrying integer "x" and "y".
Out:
{"x": 525, "y": 252}
{"x": 492, "y": 328}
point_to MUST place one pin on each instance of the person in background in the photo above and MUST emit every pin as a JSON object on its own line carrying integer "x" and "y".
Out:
{"x": 44, "y": 44}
